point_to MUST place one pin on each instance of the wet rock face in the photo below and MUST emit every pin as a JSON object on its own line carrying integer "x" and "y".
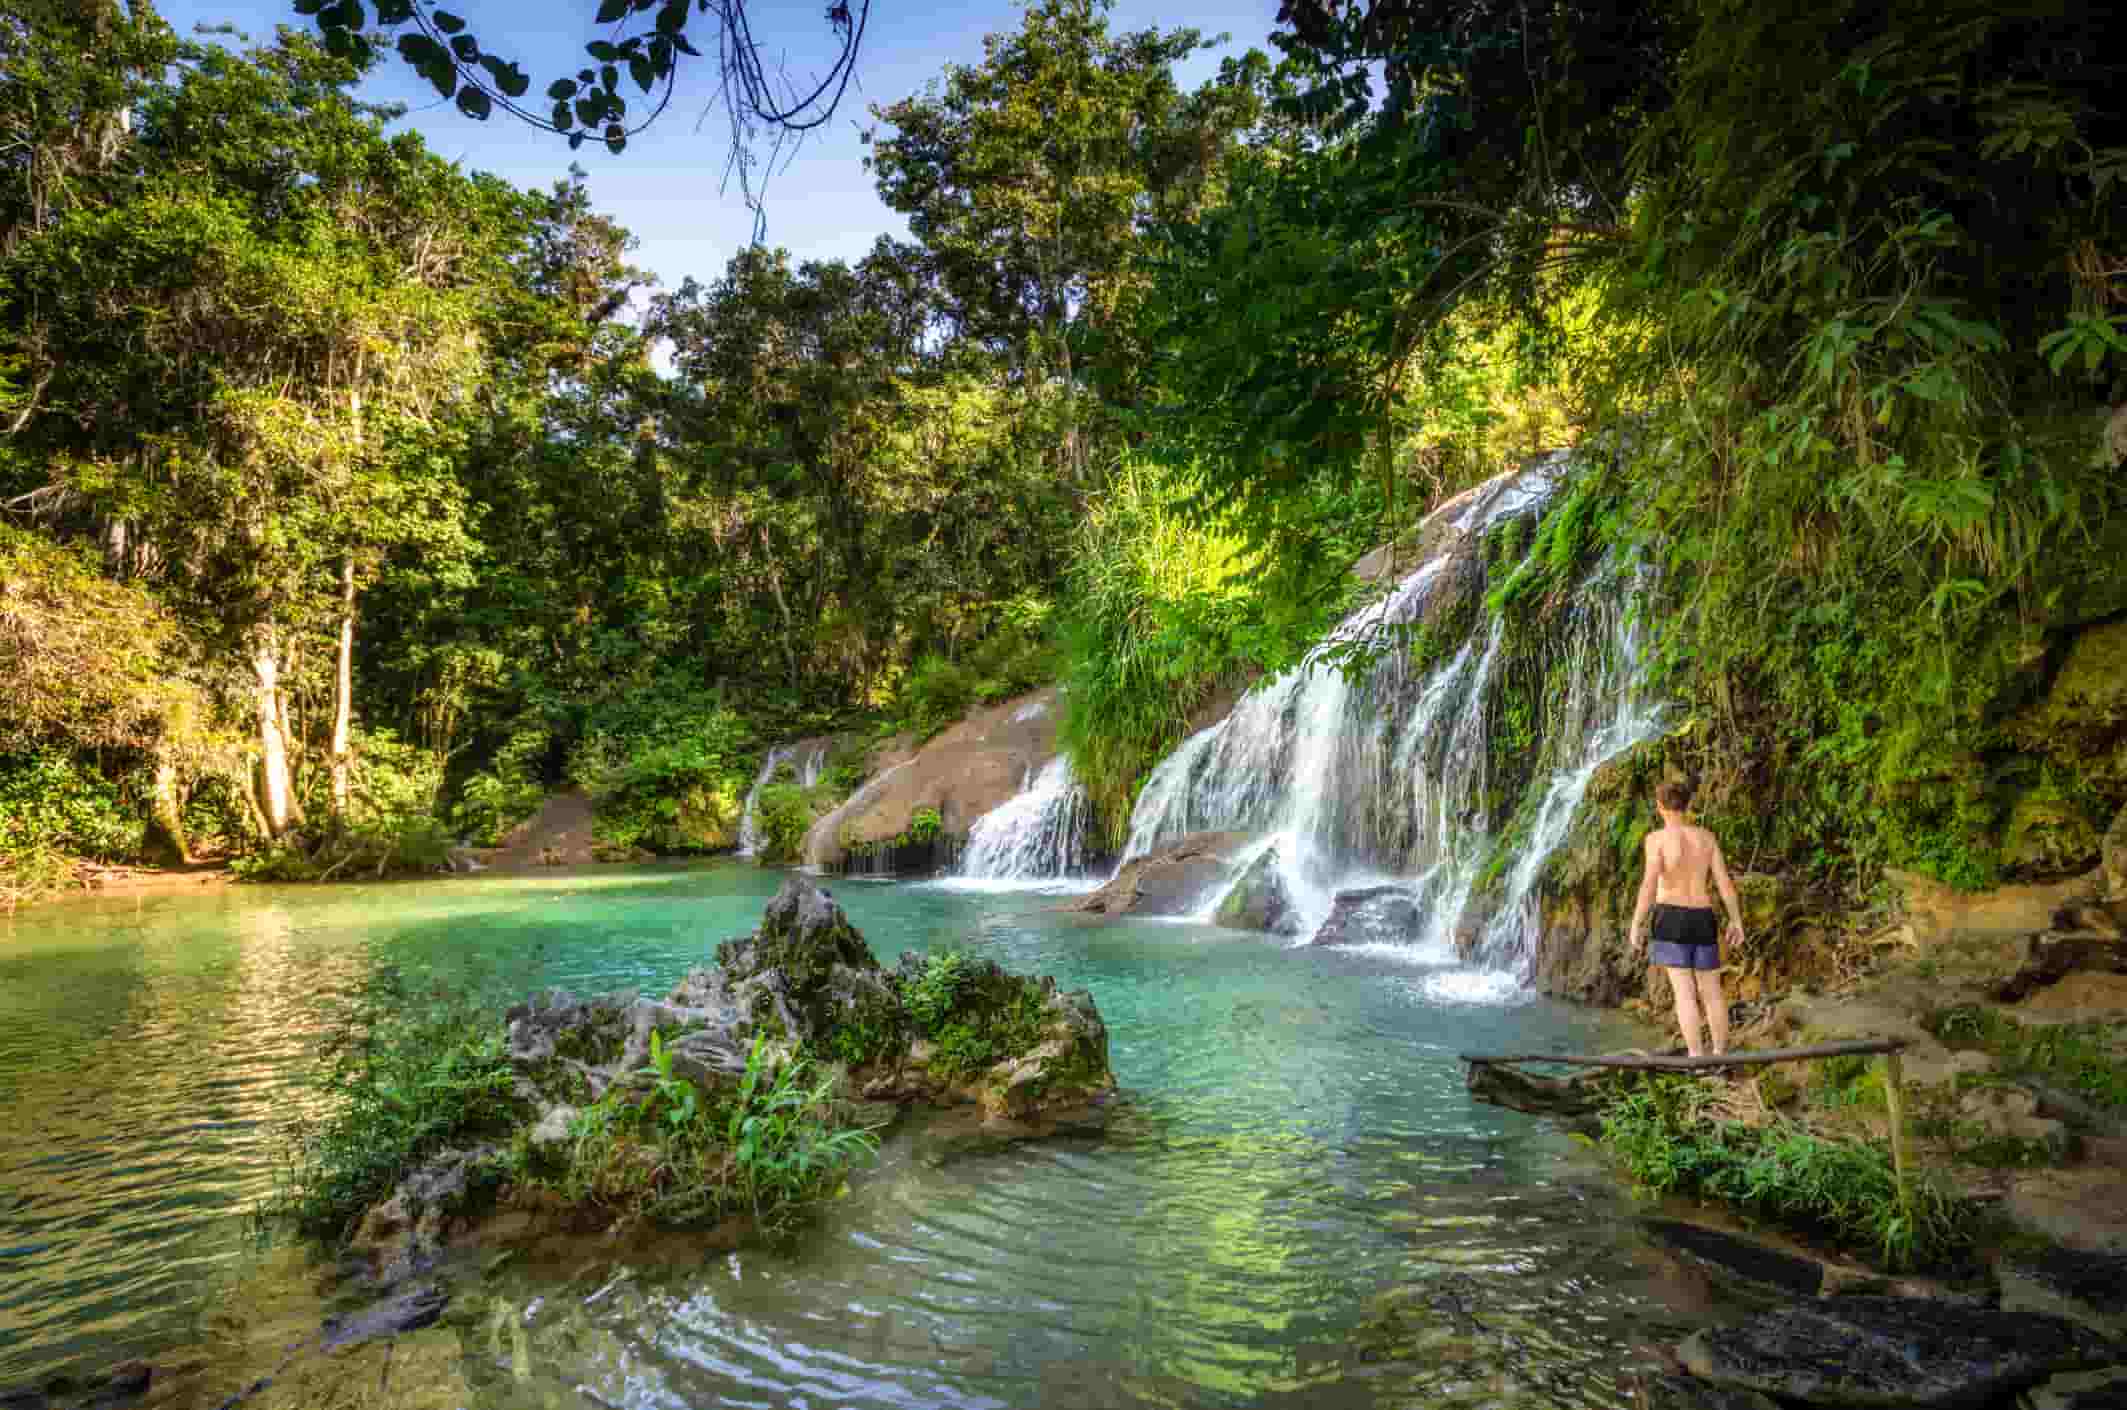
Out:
{"x": 1259, "y": 901}
{"x": 1012, "y": 1045}
{"x": 1883, "y": 1351}
{"x": 2090, "y": 1288}
{"x": 1173, "y": 881}
{"x": 2082, "y": 1390}
{"x": 1368, "y": 915}
{"x": 804, "y": 971}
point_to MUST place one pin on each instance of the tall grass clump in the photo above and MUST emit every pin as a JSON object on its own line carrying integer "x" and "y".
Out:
{"x": 410, "y": 1066}
{"x": 1664, "y": 1130}
{"x": 1155, "y": 621}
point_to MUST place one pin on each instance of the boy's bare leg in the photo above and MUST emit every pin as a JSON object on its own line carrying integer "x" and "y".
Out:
{"x": 1687, "y": 1007}
{"x": 1716, "y": 1006}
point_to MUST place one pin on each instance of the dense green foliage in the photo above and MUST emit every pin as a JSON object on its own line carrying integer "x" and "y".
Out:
{"x": 1845, "y": 1192}
{"x": 668, "y": 1151}
{"x": 322, "y": 454}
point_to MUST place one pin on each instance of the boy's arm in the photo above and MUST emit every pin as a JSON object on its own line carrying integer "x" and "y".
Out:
{"x": 1646, "y": 900}
{"x": 1728, "y": 894}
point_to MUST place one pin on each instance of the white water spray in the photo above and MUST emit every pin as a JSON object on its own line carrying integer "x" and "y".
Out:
{"x": 1038, "y": 834}
{"x": 1388, "y": 778}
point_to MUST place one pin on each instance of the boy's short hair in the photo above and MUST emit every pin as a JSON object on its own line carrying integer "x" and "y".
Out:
{"x": 1673, "y": 794}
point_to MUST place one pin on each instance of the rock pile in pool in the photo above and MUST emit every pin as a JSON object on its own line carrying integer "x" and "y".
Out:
{"x": 946, "y": 1030}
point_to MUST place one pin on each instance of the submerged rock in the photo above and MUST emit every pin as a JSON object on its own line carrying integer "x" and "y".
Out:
{"x": 1683, "y": 1393}
{"x": 1370, "y": 915}
{"x": 1885, "y": 1351}
{"x": 1259, "y": 900}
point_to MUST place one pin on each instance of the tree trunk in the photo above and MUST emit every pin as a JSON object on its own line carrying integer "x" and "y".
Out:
{"x": 343, "y": 691}
{"x": 116, "y": 550}
{"x": 276, "y": 787}
{"x": 775, "y": 583}
{"x": 166, "y": 822}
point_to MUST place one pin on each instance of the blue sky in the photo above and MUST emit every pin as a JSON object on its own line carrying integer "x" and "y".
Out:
{"x": 665, "y": 187}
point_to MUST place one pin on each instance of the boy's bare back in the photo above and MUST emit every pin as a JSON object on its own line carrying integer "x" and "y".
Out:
{"x": 1686, "y": 859}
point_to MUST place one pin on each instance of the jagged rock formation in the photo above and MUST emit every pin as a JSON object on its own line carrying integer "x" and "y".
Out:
{"x": 939, "y": 1031}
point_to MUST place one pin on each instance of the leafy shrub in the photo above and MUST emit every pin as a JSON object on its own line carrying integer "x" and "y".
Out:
{"x": 934, "y": 694}
{"x": 1661, "y": 1129}
{"x": 783, "y": 813}
{"x": 216, "y": 817}
{"x": 932, "y": 994}
{"x": 665, "y": 766}
{"x": 1159, "y": 614}
{"x": 30, "y": 872}
{"x": 49, "y": 799}
{"x": 499, "y": 797}
{"x": 411, "y": 1066}
{"x": 786, "y": 1148}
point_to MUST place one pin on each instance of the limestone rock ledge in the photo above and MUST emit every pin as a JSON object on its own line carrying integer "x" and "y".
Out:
{"x": 957, "y": 1033}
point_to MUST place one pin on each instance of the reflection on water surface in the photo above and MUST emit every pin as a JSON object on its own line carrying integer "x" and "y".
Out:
{"x": 1296, "y": 1205}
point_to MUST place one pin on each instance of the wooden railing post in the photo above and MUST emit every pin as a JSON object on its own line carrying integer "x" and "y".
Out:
{"x": 1894, "y": 1098}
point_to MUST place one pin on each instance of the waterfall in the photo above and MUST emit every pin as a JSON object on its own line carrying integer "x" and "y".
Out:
{"x": 749, "y": 820}
{"x": 810, "y": 760}
{"x": 1037, "y": 834}
{"x": 1438, "y": 789}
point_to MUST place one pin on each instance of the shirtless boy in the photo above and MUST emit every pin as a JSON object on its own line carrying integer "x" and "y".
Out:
{"x": 1680, "y": 857}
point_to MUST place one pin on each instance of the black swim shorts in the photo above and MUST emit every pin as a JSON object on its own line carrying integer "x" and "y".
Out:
{"x": 1687, "y": 937}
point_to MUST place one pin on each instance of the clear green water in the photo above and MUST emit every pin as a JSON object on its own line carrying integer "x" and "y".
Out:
{"x": 1297, "y": 1204}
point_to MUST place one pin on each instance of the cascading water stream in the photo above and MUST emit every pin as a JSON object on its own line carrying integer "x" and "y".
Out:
{"x": 1037, "y": 834}
{"x": 1398, "y": 776}
{"x": 749, "y": 819}
{"x": 809, "y": 759}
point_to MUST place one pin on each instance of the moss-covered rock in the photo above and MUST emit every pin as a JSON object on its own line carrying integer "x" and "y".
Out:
{"x": 2081, "y": 721}
{"x": 622, "y": 1102}
{"x": 1259, "y": 900}
{"x": 2048, "y": 835}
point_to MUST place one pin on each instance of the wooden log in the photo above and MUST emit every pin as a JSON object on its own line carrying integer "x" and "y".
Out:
{"x": 1847, "y": 1048}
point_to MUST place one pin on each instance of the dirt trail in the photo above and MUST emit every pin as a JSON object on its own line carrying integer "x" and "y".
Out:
{"x": 559, "y": 834}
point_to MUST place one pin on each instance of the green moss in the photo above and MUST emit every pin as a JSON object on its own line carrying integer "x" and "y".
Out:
{"x": 1850, "y": 1081}
{"x": 2089, "y": 1059}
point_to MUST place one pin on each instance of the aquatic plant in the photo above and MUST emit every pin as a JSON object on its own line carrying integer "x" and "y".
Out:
{"x": 1664, "y": 1130}
{"x": 410, "y": 1068}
